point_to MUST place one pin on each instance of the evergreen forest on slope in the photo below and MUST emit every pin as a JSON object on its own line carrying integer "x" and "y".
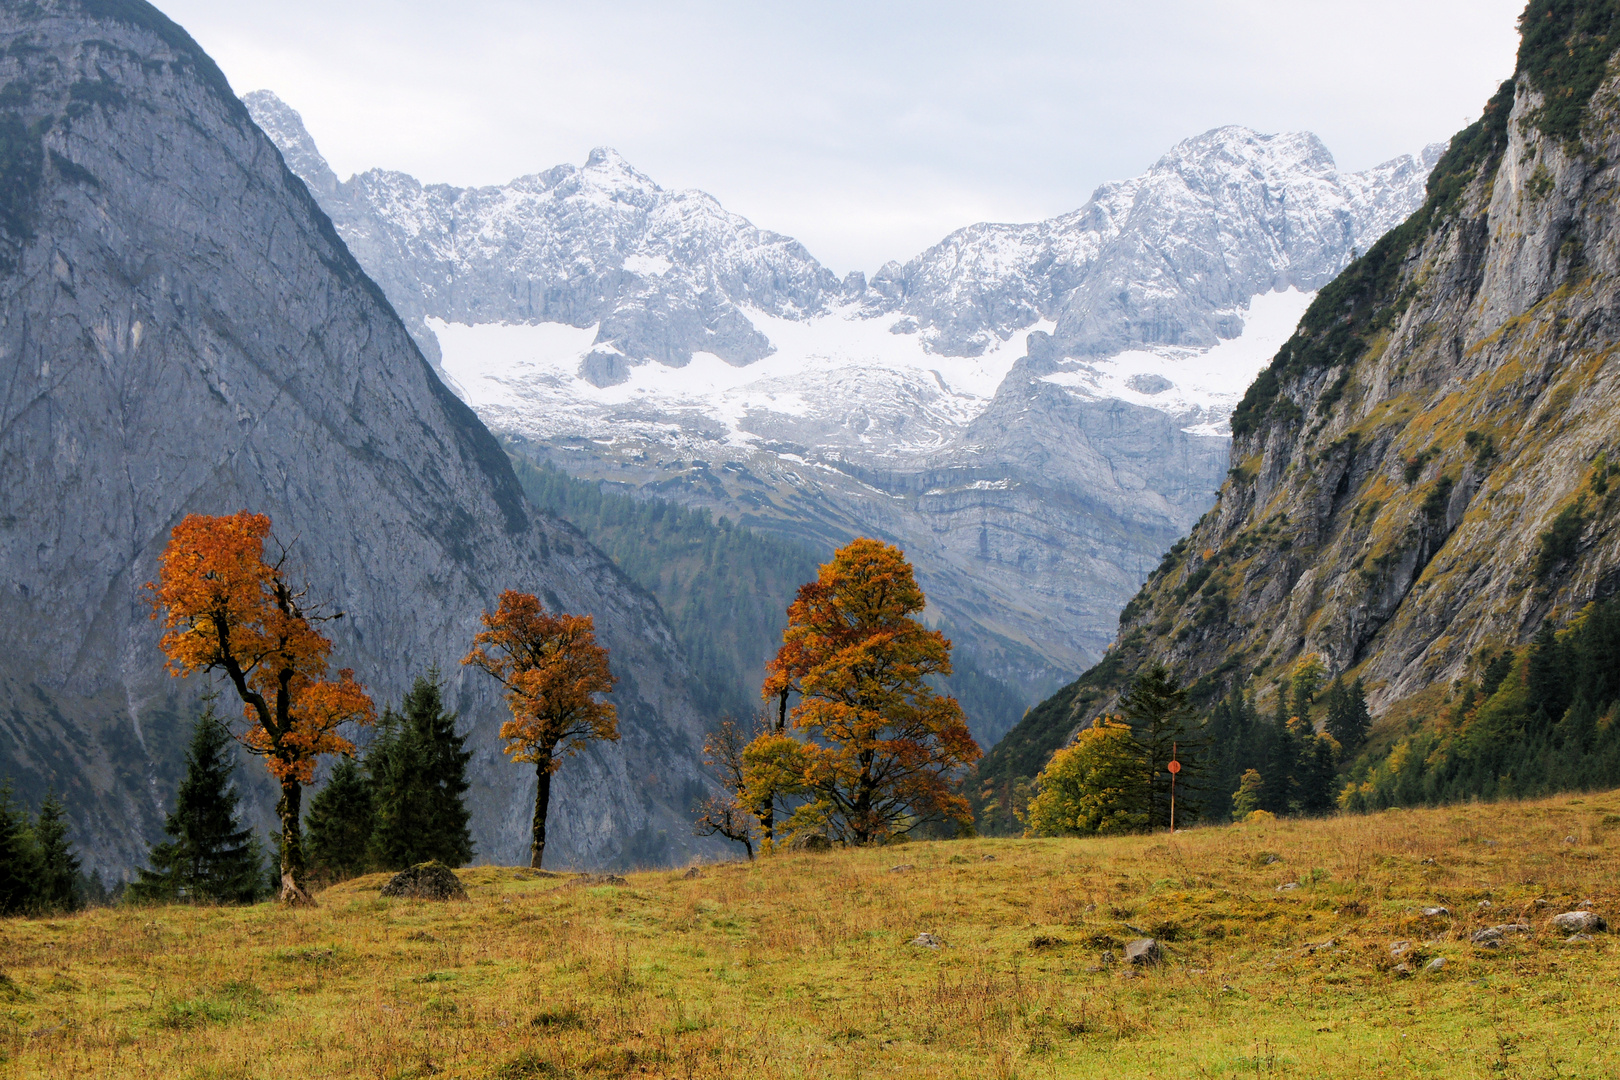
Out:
{"x": 725, "y": 589}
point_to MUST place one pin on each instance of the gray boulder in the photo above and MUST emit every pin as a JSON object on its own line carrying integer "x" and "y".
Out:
{"x": 1579, "y": 922}
{"x": 1143, "y": 952}
{"x": 425, "y": 881}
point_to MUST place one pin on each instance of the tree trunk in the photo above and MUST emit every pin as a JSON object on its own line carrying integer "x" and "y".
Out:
{"x": 293, "y": 892}
{"x": 542, "y": 803}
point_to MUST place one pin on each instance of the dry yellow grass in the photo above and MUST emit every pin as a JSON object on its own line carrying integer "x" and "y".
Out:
{"x": 800, "y": 966}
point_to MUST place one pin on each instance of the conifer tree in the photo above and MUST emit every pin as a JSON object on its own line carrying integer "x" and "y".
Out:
{"x": 1277, "y": 791}
{"x": 340, "y": 823}
{"x": 57, "y": 887}
{"x": 1162, "y": 721}
{"x": 1347, "y": 717}
{"x": 209, "y": 856}
{"x": 418, "y": 771}
{"x": 19, "y": 856}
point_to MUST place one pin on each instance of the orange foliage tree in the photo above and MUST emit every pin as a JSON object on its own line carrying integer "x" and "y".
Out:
{"x": 224, "y": 608}
{"x": 552, "y": 669}
{"x": 881, "y": 748}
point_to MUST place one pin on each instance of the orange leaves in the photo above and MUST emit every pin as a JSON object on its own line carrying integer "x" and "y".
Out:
{"x": 882, "y": 746}
{"x": 552, "y": 669}
{"x": 225, "y": 609}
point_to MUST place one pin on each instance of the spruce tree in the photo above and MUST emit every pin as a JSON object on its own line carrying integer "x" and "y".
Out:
{"x": 58, "y": 887}
{"x": 19, "y": 856}
{"x": 208, "y": 857}
{"x": 1162, "y": 721}
{"x": 1282, "y": 760}
{"x": 1347, "y": 718}
{"x": 418, "y": 768}
{"x": 340, "y": 824}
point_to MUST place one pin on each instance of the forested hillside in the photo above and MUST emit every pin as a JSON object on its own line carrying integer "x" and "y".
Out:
{"x": 1421, "y": 496}
{"x": 725, "y": 590}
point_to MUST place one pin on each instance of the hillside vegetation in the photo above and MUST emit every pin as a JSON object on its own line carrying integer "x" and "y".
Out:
{"x": 725, "y": 589}
{"x": 1277, "y": 936}
{"x": 1421, "y": 481}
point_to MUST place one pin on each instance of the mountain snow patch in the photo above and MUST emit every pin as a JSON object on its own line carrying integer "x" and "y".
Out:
{"x": 1204, "y": 386}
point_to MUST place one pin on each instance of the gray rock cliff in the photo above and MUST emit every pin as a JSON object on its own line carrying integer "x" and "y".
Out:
{"x": 182, "y": 330}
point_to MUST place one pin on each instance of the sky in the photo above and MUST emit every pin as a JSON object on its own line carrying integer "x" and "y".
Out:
{"x": 868, "y": 130}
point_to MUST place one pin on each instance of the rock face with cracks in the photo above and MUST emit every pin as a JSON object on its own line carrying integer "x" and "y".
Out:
{"x": 182, "y": 331}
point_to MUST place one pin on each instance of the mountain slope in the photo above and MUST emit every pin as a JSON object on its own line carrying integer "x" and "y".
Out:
{"x": 1421, "y": 476}
{"x": 1033, "y": 480}
{"x": 183, "y": 331}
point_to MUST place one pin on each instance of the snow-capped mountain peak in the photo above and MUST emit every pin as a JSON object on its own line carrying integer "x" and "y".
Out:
{"x": 1033, "y": 410}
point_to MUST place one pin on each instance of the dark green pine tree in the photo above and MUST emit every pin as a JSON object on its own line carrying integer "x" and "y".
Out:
{"x": 418, "y": 768}
{"x": 1318, "y": 777}
{"x": 209, "y": 856}
{"x": 340, "y": 824}
{"x": 58, "y": 887}
{"x": 1163, "y": 722}
{"x": 1347, "y": 716}
{"x": 1277, "y": 794}
{"x": 19, "y": 856}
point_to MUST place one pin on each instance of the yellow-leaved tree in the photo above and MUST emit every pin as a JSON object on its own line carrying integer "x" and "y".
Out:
{"x": 880, "y": 750}
{"x": 1096, "y": 784}
{"x": 224, "y": 608}
{"x": 552, "y": 669}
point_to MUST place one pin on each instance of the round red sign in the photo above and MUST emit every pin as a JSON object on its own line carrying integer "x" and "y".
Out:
{"x": 1174, "y": 766}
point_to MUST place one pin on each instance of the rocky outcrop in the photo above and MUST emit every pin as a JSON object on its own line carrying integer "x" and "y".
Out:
{"x": 182, "y": 330}
{"x": 1423, "y": 474}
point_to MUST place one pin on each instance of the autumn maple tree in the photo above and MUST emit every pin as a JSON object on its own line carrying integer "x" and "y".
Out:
{"x": 880, "y": 748}
{"x": 225, "y": 608}
{"x": 553, "y": 670}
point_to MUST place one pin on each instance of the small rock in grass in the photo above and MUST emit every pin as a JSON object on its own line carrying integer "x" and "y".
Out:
{"x": 901, "y": 868}
{"x": 1403, "y": 970}
{"x": 987, "y": 858}
{"x": 926, "y": 940}
{"x": 1483, "y": 905}
{"x": 1579, "y": 922}
{"x": 426, "y": 881}
{"x": 1143, "y": 951}
{"x": 599, "y": 879}
{"x": 1491, "y": 937}
{"x": 1321, "y": 946}
{"x": 1108, "y": 958}
{"x": 1269, "y": 859}
{"x": 1577, "y": 939}
{"x": 1288, "y": 886}
{"x": 1437, "y": 964}
{"x": 1436, "y": 913}
{"x": 1569, "y": 839}
{"x": 1400, "y": 949}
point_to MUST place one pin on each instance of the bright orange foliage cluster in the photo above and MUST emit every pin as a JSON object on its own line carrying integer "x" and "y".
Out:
{"x": 552, "y": 669}
{"x": 224, "y": 608}
{"x": 883, "y": 747}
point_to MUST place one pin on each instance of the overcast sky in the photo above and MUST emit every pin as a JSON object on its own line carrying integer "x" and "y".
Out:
{"x": 866, "y": 129}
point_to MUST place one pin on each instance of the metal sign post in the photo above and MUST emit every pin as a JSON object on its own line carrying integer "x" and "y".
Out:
{"x": 1174, "y": 767}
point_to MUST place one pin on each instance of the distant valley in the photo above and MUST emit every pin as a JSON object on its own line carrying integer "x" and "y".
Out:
{"x": 1035, "y": 412}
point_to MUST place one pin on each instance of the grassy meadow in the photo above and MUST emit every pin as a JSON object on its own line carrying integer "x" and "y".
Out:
{"x": 802, "y": 965}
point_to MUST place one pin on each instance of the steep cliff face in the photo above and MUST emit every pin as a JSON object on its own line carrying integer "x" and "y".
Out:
{"x": 1422, "y": 475}
{"x": 182, "y": 330}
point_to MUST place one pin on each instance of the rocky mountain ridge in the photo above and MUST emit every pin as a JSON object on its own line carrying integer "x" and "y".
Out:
{"x": 1422, "y": 477}
{"x": 648, "y": 337}
{"x": 182, "y": 330}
